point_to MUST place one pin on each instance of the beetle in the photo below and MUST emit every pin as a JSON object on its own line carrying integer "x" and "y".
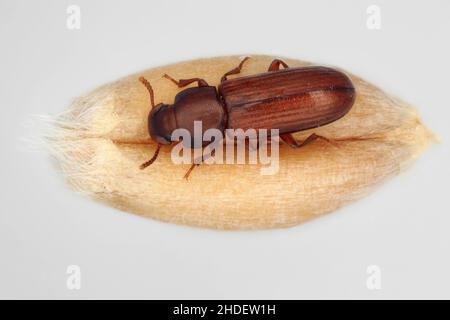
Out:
{"x": 287, "y": 99}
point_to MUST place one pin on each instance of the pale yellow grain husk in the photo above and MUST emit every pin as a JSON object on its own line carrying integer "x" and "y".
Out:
{"x": 101, "y": 141}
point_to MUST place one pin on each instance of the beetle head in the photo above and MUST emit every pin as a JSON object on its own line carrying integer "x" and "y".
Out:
{"x": 161, "y": 123}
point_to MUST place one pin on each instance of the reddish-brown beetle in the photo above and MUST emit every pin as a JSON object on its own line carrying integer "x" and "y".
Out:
{"x": 290, "y": 100}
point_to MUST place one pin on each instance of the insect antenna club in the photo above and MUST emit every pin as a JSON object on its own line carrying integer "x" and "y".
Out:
{"x": 286, "y": 99}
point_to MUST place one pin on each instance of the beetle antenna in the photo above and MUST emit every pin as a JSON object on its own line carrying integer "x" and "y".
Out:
{"x": 149, "y": 162}
{"x": 150, "y": 90}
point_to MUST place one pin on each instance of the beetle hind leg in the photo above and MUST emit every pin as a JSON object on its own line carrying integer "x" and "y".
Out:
{"x": 290, "y": 140}
{"x": 275, "y": 65}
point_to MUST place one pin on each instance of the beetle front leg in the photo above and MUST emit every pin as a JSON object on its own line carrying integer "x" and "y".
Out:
{"x": 234, "y": 70}
{"x": 149, "y": 162}
{"x": 290, "y": 140}
{"x": 275, "y": 65}
{"x": 184, "y": 82}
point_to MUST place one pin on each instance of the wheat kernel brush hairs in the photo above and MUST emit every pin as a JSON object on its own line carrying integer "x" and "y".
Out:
{"x": 103, "y": 138}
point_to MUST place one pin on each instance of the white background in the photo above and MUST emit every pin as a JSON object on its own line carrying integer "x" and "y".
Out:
{"x": 44, "y": 227}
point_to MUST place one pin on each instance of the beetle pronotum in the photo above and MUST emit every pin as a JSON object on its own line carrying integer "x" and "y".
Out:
{"x": 290, "y": 100}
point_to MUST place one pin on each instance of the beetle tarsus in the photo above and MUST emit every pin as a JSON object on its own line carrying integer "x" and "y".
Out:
{"x": 290, "y": 140}
{"x": 149, "y": 162}
{"x": 184, "y": 82}
{"x": 186, "y": 175}
{"x": 196, "y": 163}
{"x": 234, "y": 70}
{"x": 275, "y": 65}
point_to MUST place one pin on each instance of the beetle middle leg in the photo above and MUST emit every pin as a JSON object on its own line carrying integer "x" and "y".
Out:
{"x": 290, "y": 140}
{"x": 275, "y": 65}
{"x": 195, "y": 164}
{"x": 199, "y": 161}
{"x": 186, "y": 175}
{"x": 234, "y": 70}
{"x": 184, "y": 82}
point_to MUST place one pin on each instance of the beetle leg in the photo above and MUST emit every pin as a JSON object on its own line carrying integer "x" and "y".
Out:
{"x": 235, "y": 70}
{"x": 184, "y": 82}
{"x": 150, "y": 90}
{"x": 186, "y": 175}
{"x": 149, "y": 162}
{"x": 275, "y": 65}
{"x": 290, "y": 140}
{"x": 195, "y": 164}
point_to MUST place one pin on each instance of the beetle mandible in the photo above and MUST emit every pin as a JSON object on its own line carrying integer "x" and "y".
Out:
{"x": 288, "y": 99}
